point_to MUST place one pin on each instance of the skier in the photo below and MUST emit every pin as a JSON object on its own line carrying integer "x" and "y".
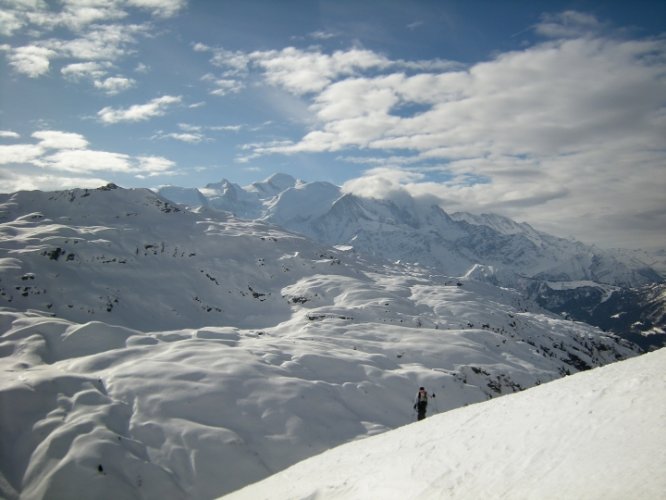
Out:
{"x": 421, "y": 403}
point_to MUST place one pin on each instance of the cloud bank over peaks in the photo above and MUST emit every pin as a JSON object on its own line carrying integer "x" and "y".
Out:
{"x": 565, "y": 128}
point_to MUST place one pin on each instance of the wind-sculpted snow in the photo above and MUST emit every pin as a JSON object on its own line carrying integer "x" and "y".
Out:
{"x": 595, "y": 435}
{"x": 195, "y": 413}
{"x": 151, "y": 352}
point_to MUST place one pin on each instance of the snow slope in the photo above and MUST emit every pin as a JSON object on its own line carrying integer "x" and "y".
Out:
{"x": 594, "y": 435}
{"x": 151, "y": 352}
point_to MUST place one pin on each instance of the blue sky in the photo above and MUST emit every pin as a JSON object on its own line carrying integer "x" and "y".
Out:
{"x": 550, "y": 112}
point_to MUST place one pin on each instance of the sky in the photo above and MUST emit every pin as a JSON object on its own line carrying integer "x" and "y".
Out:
{"x": 553, "y": 113}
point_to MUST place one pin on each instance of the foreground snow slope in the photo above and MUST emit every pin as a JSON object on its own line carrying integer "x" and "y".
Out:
{"x": 599, "y": 434}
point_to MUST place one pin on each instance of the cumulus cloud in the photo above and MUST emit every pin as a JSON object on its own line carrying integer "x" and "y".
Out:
{"x": 96, "y": 39}
{"x": 114, "y": 84}
{"x": 101, "y": 42}
{"x": 55, "y": 139}
{"x": 304, "y": 71}
{"x": 93, "y": 70}
{"x": 85, "y": 160}
{"x": 138, "y": 112}
{"x": 76, "y": 15}
{"x": 31, "y": 60}
{"x": 98, "y": 47}
{"x": 382, "y": 182}
{"x": 9, "y": 134}
{"x": 309, "y": 71}
{"x": 19, "y": 153}
{"x": 96, "y": 72}
{"x": 10, "y": 22}
{"x": 65, "y": 153}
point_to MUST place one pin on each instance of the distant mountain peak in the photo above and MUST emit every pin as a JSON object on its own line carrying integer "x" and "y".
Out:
{"x": 272, "y": 186}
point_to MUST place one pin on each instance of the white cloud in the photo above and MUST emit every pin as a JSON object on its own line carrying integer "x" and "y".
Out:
{"x": 159, "y": 8}
{"x": 322, "y": 35}
{"x": 100, "y": 43}
{"x": 98, "y": 47}
{"x": 228, "y": 128}
{"x": 568, "y": 24}
{"x": 235, "y": 63}
{"x": 114, "y": 84}
{"x": 66, "y": 153}
{"x": 142, "y": 68}
{"x": 138, "y": 112}
{"x": 31, "y": 60}
{"x": 86, "y": 160}
{"x": 381, "y": 182}
{"x": 9, "y": 134}
{"x": 54, "y": 139}
{"x": 96, "y": 72}
{"x": 85, "y": 70}
{"x": 15, "y": 181}
{"x": 154, "y": 165}
{"x": 19, "y": 153}
{"x": 77, "y": 15}
{"x": 10, "y": 23}
{"x": 223, "y": 86}
{"x": 194, "y": 134}
{"x": 189, "y": 137}
{"x": 303, "y": 72}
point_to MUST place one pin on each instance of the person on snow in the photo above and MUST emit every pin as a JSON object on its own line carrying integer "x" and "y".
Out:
{"x": 421, "y": 403}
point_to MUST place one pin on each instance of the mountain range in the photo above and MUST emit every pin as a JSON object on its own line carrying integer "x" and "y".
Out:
{"x": 618, "y": 290}
{"x": 154, "y": 351}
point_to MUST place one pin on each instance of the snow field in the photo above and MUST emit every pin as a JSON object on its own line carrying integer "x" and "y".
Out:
{"x": 148, "y": 352}
{"x": 217, "y": 408}
{"x": 595, "y": 435}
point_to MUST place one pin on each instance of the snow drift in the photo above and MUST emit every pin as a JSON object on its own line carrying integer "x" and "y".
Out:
{"x": 599, "y": 434}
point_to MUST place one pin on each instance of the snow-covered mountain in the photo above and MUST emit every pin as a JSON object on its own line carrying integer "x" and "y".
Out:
{"x": 148, "y": 351}
{"x": 484, "y": 247}
{"x": 403, "y": 227}
{"x": 598, "y": 434}
{"x": 639, "y": 313}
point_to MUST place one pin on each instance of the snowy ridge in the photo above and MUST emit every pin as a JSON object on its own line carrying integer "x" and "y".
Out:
{"x": 148, "y": 351}
{"x": 486, "y": 247}
{"x": 403, "y": 227}
{"x": 598, "y": 434}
